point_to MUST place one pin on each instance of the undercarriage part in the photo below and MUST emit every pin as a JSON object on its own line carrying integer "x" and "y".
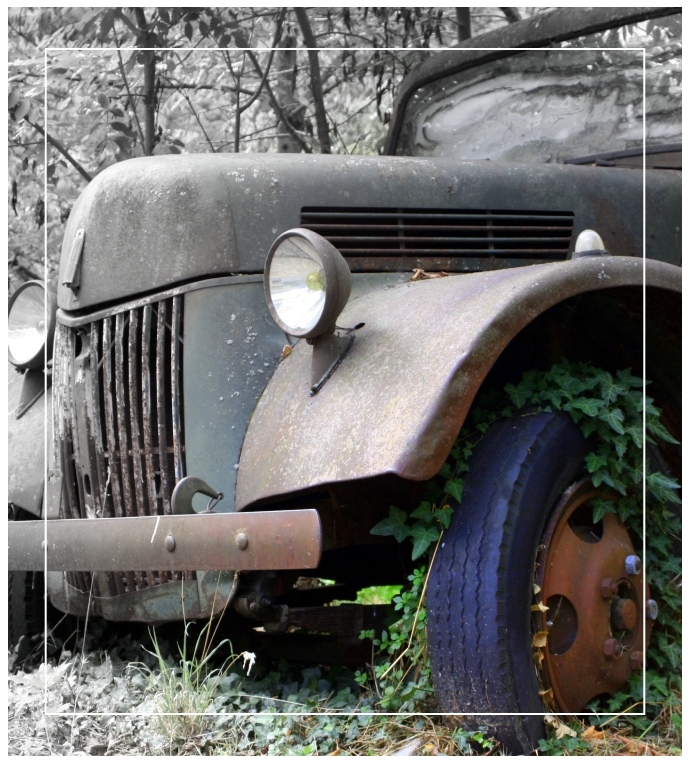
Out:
{"x": 265, "y": 540}
{"x": 592, "y": 584}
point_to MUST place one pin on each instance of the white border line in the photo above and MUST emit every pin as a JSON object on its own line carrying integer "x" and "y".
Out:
{"x": 101, "y": 51}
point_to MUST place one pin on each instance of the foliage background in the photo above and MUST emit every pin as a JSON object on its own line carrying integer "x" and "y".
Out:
{"x": 107, "y": 100}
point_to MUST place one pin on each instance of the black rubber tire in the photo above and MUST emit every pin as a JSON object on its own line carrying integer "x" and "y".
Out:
{"x": 480, "y": 588}
{"x": 26, "y": 610}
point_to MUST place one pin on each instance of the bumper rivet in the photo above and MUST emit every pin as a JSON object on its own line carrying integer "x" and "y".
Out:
{"x": 242, "y": 541}
{"x": 632, "y": 565}
{"x": 170, "y": 543}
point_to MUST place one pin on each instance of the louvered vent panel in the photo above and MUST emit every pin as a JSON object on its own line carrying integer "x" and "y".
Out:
{"x": 441, "y": 239}
{"x": 117, "y": 396}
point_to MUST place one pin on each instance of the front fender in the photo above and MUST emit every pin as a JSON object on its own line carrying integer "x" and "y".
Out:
{"x": 398, "y": 400}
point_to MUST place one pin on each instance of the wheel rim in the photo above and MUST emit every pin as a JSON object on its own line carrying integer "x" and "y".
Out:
{"x": 596, "y": 603}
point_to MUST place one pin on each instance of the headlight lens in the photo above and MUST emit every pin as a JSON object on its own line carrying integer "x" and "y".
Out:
{"x": 27, "y": 327}
{"x": 297, "y": 284}
{"x": 307, "y": 283}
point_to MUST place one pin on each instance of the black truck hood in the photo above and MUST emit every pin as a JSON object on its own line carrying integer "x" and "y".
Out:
{"x": 153, "y": 222}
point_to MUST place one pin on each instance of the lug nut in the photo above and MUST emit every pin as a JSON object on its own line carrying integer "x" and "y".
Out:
{"x": 170, "y": 543}
{"x": 242, "y": 541}
{"x": 612, "y": 648}
{"x": 636, "y": 661}
{"x": 608, "y": 588}
{"x": 651, "y": 609}
{"x": 253, "y": 606}
{"x": 632, "y": 565}
{"x": 623, "y": 614}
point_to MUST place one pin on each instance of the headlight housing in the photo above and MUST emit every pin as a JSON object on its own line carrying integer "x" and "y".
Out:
{"x": 31, "y": 323}
{"x": 307, "y": 283}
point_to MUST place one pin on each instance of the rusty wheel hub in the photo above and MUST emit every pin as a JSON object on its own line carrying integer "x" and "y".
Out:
{"x": 591, "y": 581}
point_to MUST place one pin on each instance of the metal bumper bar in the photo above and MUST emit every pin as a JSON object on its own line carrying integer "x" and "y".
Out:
{"x": 267, "y": 540}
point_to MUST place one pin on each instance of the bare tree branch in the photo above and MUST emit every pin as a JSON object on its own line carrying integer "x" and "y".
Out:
{"x": 132, "y": 105}
{"x": 261, "y": 84}
{"x": 242, "y": 43}
{"x": 198, "y": 120}
{"x": 316, "y": 84}
{"x": 56, "y": 144}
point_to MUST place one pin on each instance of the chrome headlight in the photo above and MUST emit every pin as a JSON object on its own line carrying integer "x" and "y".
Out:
{"x": 30, "y": 325}
{"x": 307, "y": 283}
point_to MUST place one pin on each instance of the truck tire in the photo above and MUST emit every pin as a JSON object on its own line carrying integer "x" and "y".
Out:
{"x": 25, "y": 597}
{"x": 480, "y": 588}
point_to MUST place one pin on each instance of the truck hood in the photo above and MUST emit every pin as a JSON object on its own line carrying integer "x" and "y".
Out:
{"x": 153, "y": 222}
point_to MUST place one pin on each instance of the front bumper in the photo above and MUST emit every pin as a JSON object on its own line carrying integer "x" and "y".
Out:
{"x": 268, "y": 540}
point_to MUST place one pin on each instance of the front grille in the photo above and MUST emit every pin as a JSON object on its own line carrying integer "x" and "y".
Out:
{"x": 117, "y": 402}
{"x": 441, "y": 239}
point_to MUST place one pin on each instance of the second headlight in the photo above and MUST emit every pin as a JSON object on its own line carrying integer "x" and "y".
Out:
{"x": 307, "y": 283}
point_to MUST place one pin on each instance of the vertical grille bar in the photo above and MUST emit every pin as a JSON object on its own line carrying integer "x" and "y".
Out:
{"x": 93, "y": 406}
{"x": 134, "y": 411}
{"x": 175, "y": 384}
{"x": 160, "y": 410}
{"x": 160, "y": 406}
{"x": 113, "y": 460}
{"x": 121, "y": 406}
{"x": 100, "y": 484}
{"x": 147, "y": 419}
{"x": 123, "y": 435}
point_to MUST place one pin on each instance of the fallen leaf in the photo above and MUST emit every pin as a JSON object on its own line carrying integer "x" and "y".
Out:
{"x": 561, "y": 729}
{"x": 540, "y": 639}
{"x": 592, "y": 735}
{"x": 536, "y": 588}
{"x": 286, "y": 350}
{"x": 547, "y": 695}
{"x": 539, "y": 607}
{"x": 538, "y": 658}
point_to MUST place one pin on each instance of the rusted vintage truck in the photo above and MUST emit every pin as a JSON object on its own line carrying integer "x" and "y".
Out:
{"x": 245, "y": 373}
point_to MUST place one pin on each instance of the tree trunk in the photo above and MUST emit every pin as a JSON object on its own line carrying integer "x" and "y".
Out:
{"x": 511, "y": 14}
{"x": 316, "y": 84}
{"x": 149, "y": 82}
{"x": 463, "y": 23}
{"x": 292, "y": 108}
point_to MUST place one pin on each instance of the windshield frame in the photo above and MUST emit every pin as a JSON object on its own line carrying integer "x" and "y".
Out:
{"x": 539, "y": 31}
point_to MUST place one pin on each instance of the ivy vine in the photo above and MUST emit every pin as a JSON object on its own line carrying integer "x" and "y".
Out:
{"x": 609, "y": 411}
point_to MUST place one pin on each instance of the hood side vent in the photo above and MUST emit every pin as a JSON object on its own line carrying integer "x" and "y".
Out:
{"x": 441, "y": 239}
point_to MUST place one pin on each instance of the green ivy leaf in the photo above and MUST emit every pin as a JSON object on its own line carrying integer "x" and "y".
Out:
{"x": 394, "y": 525}
{"x": 627, "y": 378}
{"x": 656, "y": 428}
{"x": 423, "y": 536}
{"x": 444, "y": 516}
{"x": 595, "y": 461}
{"x": 455, "y": 488}
{"x": 424, "y": 512}
{"x": 520, "y": 394}
{"x": 587, "y": 405}
{"x": 614, "y": 419}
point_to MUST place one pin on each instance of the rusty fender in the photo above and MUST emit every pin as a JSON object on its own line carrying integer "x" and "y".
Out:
{"x": 398, "y": 400}
{"x": 267, "y": 540}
